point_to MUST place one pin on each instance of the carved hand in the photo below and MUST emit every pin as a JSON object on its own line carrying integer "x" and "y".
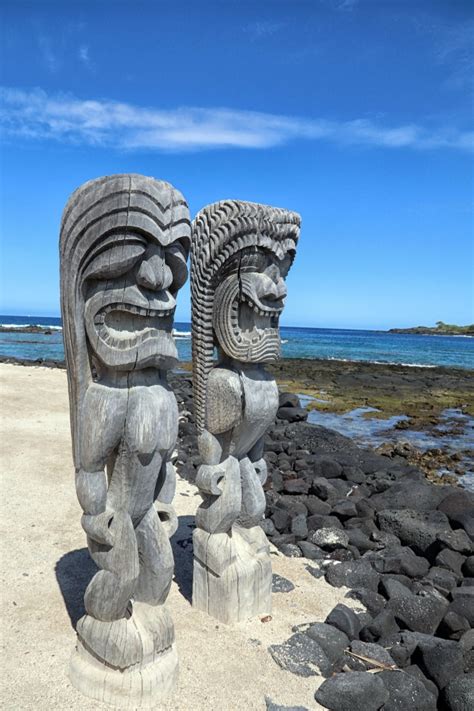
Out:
{"x": 99, "y": 527}
{"x": 91, "y": 489}
{"x": 209, "y": 477}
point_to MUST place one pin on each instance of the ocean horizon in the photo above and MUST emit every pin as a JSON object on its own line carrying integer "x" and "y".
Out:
{"x": 366, "y": 345}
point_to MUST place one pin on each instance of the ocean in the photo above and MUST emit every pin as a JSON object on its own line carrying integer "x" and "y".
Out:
{"x": 327, "y": 343}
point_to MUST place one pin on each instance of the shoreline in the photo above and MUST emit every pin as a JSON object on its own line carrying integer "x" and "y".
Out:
{"x": 425, "y": 413}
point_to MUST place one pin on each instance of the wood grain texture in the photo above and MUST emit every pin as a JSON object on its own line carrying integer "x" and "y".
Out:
{"x": 123, "y": 247}
{"x": 240, "y": 255}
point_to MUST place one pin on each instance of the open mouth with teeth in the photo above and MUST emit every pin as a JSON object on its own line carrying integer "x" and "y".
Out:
{"x": 125, "y": 325}
{"x": 256, "y": 318}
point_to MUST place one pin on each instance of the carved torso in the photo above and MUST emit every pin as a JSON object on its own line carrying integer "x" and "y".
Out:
{"x": 134, "y": 433}
{"x": 242, "y": 401}
{"x": 259, "y": 408}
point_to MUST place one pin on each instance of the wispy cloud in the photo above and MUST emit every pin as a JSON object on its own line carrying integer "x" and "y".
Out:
{"x": 36, "y": 115}
{"x": 263, "y": 28}
{"x": 47, "y": 53}
{"x": 84, "y": 56}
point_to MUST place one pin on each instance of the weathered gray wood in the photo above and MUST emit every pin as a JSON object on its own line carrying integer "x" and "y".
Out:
{"x": 124, "y": 243}
{"x": 241, "y": 253}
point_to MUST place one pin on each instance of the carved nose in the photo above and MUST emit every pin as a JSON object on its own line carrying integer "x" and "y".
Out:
{"x": 276, "y": 290}
{"x": 154, "y": 273}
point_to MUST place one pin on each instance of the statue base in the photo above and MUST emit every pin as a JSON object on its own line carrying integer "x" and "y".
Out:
{"x": 232, "y": 578}
{"x": 130, "y": 662}
{"x": 144, "y": 687}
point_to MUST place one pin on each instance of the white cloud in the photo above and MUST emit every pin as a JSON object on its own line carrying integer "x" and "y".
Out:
{"x": 36, "y": 115}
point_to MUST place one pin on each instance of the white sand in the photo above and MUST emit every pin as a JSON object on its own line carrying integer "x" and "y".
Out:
{"x": 221, "y": 667}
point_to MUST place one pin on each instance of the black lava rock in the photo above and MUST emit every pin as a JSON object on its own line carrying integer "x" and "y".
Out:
{"x": 463, "y": 602}
{"x": 371, "y": 600}
{"x": 419, "y": 613}
{"x": 459, "y": 508}
{"x": 419, "y": 530}
{"x": 451, "y": 560}
{"x": 330, "y": 538}
{"x": 441, "y": 662}
{"x": 299, "y": 654}
{"x": 442, "y": 579}
{"x": 382, "y": 626}
{"x": 369, "y": 650}
{"x": 456, "y": 540}
{"x": 330, "y": 639}
{"x": 353, "y": 691}
{"x": 310, "y": 551}
{"x": 459, "y": 694}
{"x": 407, "y": 693}
{"x": 357, "y": 574}
{"x": 345, "y": 620}
{"x": 281, "y": 585}
{"x": 400, "y": 560}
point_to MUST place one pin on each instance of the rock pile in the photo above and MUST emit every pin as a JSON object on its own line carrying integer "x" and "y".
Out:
{"x": 403, "y": 546}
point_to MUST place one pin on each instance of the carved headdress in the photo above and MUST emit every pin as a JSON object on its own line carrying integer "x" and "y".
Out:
{"x": 123, "y": 213}
{"x": 223, "y": 232}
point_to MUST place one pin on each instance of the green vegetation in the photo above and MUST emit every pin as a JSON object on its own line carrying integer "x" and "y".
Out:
{"x": 441, "y": 329}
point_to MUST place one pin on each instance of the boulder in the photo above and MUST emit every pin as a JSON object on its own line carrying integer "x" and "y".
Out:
{"x": 459, "y": 508}
{"x": 370, "y": 599}
{"x": 353, "y": 574}
{"x": 419, "y": 530}
{"x": 463, "y": 602}
{"x": 292, "y": 414}
{"x": 345, "y": 620}
{"x": 369, "y": 650}
{"x": 406, "y": 692}
{"x": 353, "y": 691}
{"x": 332, "y": 640}
{"x": 458, "y": 695}
{"x": 419, "y": 613}
{"x": 300, "y": 655}
{"x": 381, "y": 627}
{"x": 440, "y": 662}
{"x": 418, "y": 496}
{"x": 330, "y": 538}
{"x": 281, "y": 584}
{"x": 327, "y": 467}
{"x": 457, "y": 541}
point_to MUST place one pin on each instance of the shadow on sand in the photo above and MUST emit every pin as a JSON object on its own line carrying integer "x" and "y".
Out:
{"x": 75, "y": 570}
{"x": 182, "y": 544}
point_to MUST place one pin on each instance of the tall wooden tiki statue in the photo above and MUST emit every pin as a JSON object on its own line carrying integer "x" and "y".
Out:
{"x": 124, "y": 243}
{"x": 241, "y": 253}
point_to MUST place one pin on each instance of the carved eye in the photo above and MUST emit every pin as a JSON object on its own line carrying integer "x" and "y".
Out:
{"x": 175, "y": 258}
{"x": 115, "y": 261}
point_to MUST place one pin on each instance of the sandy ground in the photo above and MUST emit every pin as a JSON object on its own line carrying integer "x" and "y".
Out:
{"x": 45, "y": 569}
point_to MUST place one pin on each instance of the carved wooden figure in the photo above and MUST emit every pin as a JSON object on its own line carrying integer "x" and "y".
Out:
{"x": 124, "y": 243}
{"x": 241, "y": 253}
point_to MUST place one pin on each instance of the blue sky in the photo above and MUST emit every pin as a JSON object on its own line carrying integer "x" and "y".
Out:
{"x": 355, "y": 113}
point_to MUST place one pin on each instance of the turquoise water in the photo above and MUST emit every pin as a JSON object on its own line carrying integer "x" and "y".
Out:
{"x": 327, "y": 343}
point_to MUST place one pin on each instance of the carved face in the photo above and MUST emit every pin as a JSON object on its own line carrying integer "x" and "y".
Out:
{"x": 247, "y": 306}
{"x": 130, "y": 284}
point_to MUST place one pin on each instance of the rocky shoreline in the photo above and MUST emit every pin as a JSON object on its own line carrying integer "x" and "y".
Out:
{"x": 404, "y": 548}
{"x": 421, "y": 396}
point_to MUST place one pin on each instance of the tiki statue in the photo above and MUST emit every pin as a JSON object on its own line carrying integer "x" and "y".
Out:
{"x": 124, "y": 243}
{"x": 241, "y": 253}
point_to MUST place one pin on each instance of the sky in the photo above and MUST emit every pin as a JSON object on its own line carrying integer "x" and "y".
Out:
{"x": 355, "y": 113}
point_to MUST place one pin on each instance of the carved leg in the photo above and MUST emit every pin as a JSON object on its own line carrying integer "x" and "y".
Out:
{"x": 232, "y": 569}
{"x": 126, "y": 656}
